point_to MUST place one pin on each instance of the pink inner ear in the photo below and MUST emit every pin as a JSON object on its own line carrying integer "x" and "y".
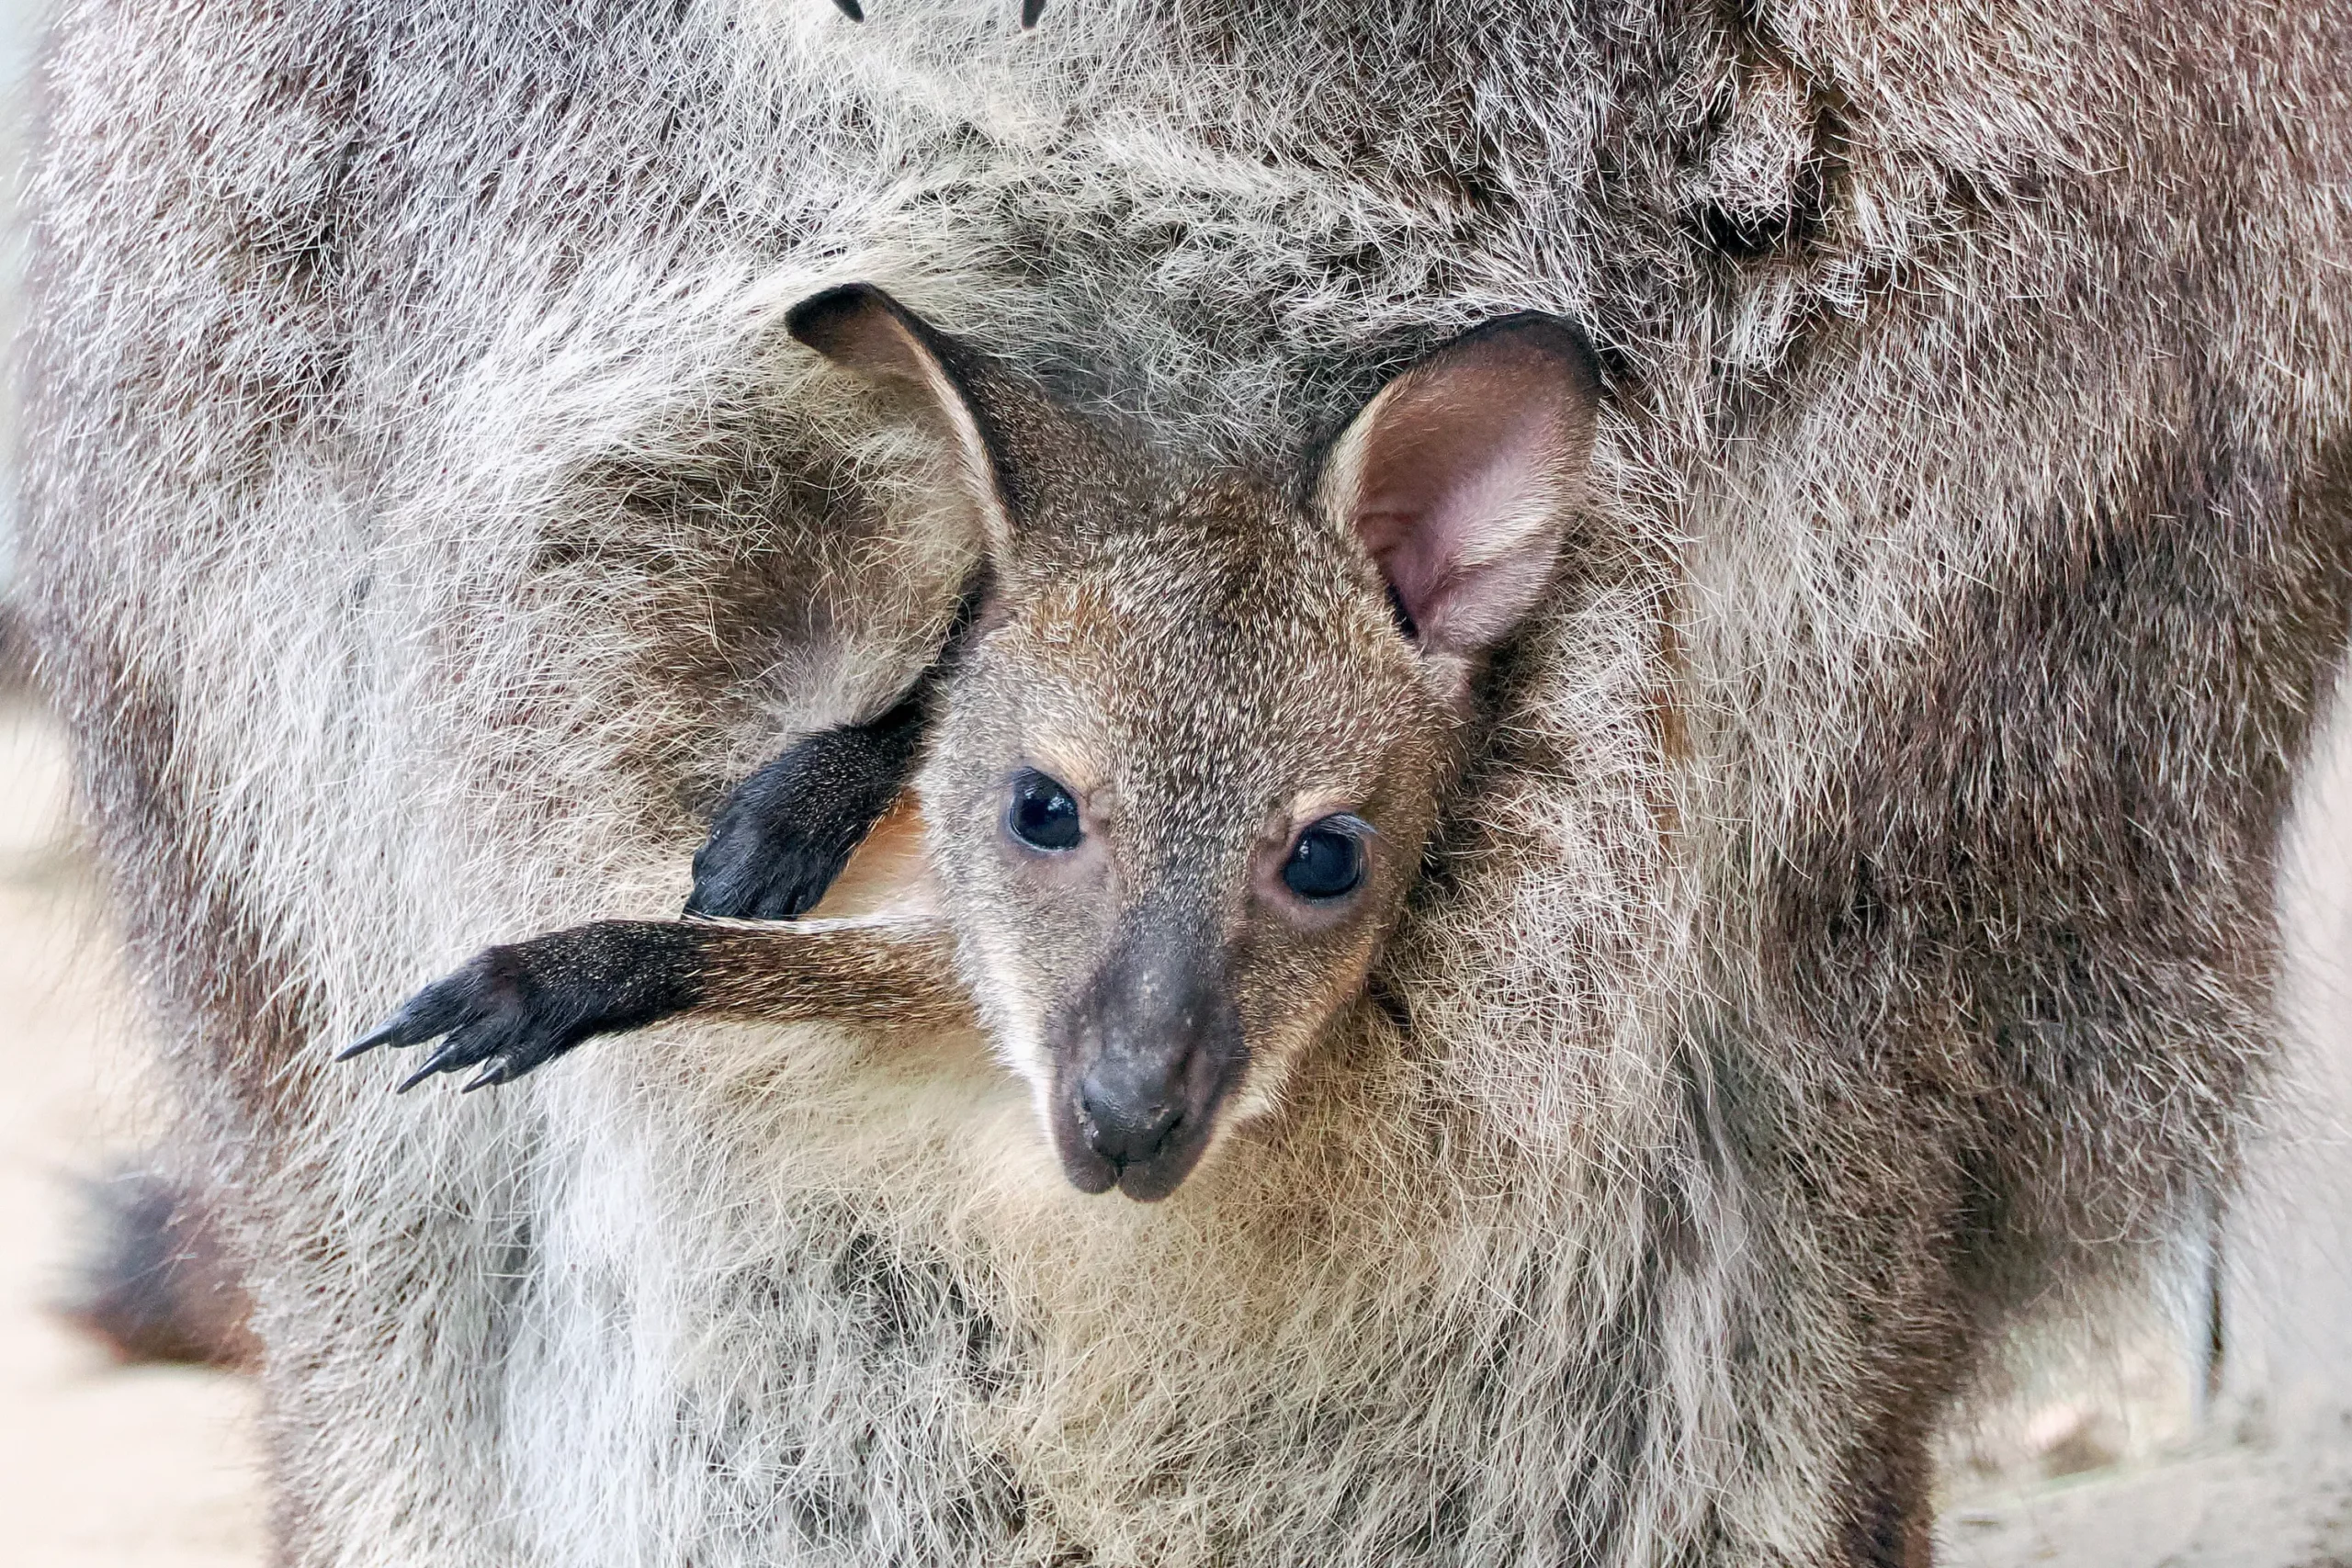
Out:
{"x": 1464, "y": 470}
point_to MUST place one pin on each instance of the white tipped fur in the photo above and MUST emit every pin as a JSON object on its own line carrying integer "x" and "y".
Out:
{"x": 1859, "y": 919}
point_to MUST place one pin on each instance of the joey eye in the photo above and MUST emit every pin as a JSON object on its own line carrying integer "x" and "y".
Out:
{"x": 1043, "y": 815}
{"x": 1328, "y": 860}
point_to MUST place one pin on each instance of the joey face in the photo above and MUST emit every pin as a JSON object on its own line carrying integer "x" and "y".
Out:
{"x": 1178, "y": 797}
{"x": 1187, "y": 767}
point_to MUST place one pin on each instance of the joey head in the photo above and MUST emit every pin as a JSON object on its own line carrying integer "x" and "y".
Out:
{"x": 1180, "y": 771}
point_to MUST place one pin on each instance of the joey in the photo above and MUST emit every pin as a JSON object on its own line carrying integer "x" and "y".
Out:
{"x": 1182, "y": 771}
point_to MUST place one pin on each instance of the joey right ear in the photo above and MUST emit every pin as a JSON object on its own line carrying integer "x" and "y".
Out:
{"x": 862, "y": 329}
{"x": 1461, "y": 476}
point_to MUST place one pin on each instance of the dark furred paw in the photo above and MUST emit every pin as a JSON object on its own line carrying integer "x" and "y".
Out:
{"x": 511, "y": 1008}
{"x": 782, "y": 836}
{"x": 155, "y": 1281}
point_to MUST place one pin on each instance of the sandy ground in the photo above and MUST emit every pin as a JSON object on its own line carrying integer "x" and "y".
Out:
{"x": 2259, "y": 1476}
{"x": 147, "y": 1467}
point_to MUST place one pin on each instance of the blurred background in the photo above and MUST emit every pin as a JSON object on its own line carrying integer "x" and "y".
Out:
{"x": 2204, "y": 1424}
{"x": 101, "y": 1462}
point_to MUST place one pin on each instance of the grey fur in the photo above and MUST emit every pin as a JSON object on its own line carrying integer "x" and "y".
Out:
{"x": 1860, "y": 926}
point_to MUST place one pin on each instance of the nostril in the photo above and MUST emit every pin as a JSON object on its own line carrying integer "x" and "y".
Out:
{"x": 1125, "y": 1130}
{"x": 1152, "y": 1133}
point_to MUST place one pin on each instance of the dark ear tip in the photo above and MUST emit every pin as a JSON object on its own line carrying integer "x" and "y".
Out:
{"x": 1555, "y": 337}
{"x": 824, "y": 320}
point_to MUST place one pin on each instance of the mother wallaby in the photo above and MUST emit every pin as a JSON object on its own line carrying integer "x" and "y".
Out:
{"x": 1853, "y": 919}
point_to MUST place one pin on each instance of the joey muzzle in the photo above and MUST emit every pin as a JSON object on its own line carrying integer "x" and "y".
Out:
{"x": 1144, "y": 1055}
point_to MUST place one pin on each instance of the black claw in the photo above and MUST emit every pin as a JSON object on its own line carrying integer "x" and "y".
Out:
{"x": 420, "y": 1019}
{"x": 451, "y": 1055}
{"x": 1030, "y": 11}
{"x": 380, "y": 1035}
{"x": 852, "y": 10}
{"x": 492, "y": 1072}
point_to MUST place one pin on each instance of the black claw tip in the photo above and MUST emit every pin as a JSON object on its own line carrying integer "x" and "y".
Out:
{"x": 439, "y": 1062}
{"x": 852, "y": 10}
{"x": 1030, "y": 11}
{"x": 493, "y": 1072}
{"x": 365, "y": 1044}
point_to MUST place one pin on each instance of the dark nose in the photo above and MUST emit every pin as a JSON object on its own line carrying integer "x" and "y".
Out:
{"x": 1145, "y": 1052}
{"x": 1127, "y": 1109}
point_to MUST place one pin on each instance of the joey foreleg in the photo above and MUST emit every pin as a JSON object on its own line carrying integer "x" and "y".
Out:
{"x": 784, "y": 834}
{"x": 512, "y": 1009}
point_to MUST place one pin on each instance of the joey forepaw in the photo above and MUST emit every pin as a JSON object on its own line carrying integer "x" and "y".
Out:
{"x": 782, "y": 837}
{"x": 484, "y": 1015}
{"x": 511, "y": 1009}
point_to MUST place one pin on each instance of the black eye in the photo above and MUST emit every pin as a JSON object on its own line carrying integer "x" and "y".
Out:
{"x": 1043, "y": 815}
{"x": 1327, "y": 861}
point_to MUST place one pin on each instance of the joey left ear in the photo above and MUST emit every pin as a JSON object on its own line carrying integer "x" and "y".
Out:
{"x": 1461, "y": 475}
{"x": 863, "y": 329}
